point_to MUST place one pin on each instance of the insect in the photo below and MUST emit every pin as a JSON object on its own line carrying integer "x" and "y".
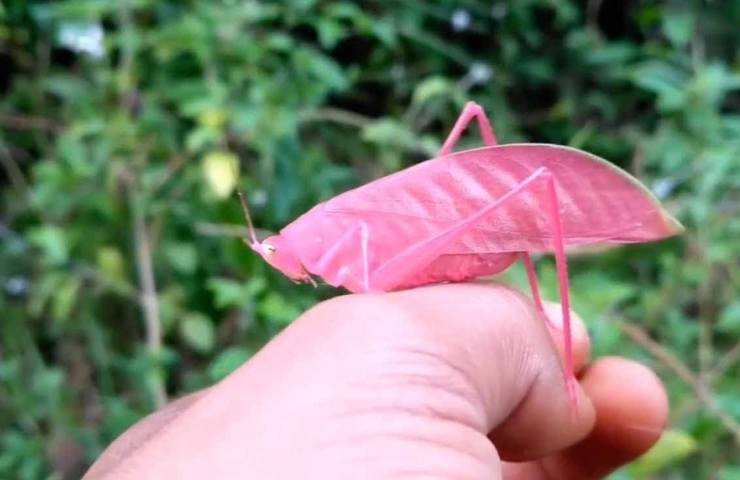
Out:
{"x": 469, "y": 214}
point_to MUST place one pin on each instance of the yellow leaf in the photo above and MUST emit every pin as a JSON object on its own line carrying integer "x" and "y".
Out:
{"x": 213, "y": 118}
{"x": 111, "y": 263}
{"x": 221, "y": 170}
{"x": 673, "y": 446}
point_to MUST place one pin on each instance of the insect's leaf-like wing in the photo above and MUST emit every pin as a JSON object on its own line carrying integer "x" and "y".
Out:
{"x": 600, "y": 203}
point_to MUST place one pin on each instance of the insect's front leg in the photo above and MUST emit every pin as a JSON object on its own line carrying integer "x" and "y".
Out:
{"x": 471, "y": 110}
{"x": 336, "y": 276}
{"x": 364, "y": 241}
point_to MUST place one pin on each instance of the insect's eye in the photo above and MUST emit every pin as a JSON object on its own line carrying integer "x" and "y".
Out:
{"x": 268, "y": 249}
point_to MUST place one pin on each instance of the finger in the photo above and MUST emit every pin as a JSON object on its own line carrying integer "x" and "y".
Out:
{"x": 631, "y": 409}
{"x": 579, "y": 333}
{"x": 507, "y": 352}
{"x": 514, "y": 442}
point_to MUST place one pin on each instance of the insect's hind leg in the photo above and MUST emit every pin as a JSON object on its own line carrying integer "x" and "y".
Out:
{"x": 398, "y": 269}
{"x": 561, "y": 264}
{"x": 394, "y": 271}
{"x": 470, "y": 111}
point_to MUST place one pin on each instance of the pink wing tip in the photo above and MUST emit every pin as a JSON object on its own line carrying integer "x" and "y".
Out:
{"x": 673, "y": 226}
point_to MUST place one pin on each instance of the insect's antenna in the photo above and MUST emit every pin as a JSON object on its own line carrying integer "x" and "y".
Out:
{"x": 245, "y": 209}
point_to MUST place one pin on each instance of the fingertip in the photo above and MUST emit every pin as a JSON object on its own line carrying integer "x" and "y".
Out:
{"x": 631, "y": 401}
{"x": 545, "y": 422}
{"x": 631, "y": 412}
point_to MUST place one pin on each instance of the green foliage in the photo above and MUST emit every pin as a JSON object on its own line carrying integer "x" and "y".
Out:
{"x": 673, "y": 446}
{"x": 125, "y": 127}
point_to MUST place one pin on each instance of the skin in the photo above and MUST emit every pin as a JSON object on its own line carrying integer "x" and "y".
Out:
{"x": 441, "y": 382}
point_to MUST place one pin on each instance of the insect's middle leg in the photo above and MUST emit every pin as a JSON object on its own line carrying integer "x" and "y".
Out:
{"x": 471, "y": 110}
{"x": 534, "y": 286}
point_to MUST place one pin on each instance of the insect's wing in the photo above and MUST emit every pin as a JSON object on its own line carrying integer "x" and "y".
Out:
{"x": 600, "y": 203}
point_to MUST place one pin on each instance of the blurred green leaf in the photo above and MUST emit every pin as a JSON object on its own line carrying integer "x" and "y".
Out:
{"x": 52, "y": 242}
{"x": 392, "y": 133}
{"x": 230, "y": 293}
{"x": 276, "y": 309}
{"x": 198, "y": 332}
{"x": 227, "y": 361}
{"x": 678, "y": 27}
{"x": 666, "y": 80}
{"x": 431, "y": 87}
{"x": 183, "y": 256}
{"x": 729, "y": 319}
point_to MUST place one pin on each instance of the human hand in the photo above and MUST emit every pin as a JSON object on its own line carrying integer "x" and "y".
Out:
{"x": 447, "y": 381}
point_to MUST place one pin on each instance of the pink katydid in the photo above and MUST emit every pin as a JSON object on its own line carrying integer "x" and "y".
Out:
{"x": 469, "y": 214}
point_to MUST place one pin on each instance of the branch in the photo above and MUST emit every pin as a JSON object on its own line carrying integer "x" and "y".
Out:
{"x": 335, "y": 115}
{"x": 667, "y": 358}
{"x": 25, "y": 122}
{"x": 12, "y": 169}
{"x": 148, "y": 295}
{"x": 726, "y": 362}
{"x": 592, "y": 15}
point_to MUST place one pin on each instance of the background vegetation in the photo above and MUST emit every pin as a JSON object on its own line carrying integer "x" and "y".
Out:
{"x": 125, "y": 126}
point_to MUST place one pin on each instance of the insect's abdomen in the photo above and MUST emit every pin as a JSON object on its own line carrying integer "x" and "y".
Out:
{"x": 460, "y": 268}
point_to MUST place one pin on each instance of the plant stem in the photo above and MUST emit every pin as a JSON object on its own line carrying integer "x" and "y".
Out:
{"x": 148, "y": 295}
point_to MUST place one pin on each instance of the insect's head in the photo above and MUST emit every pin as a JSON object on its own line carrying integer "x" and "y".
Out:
{"x": 275, "y": 251}
{"x": 278, "y": 254}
